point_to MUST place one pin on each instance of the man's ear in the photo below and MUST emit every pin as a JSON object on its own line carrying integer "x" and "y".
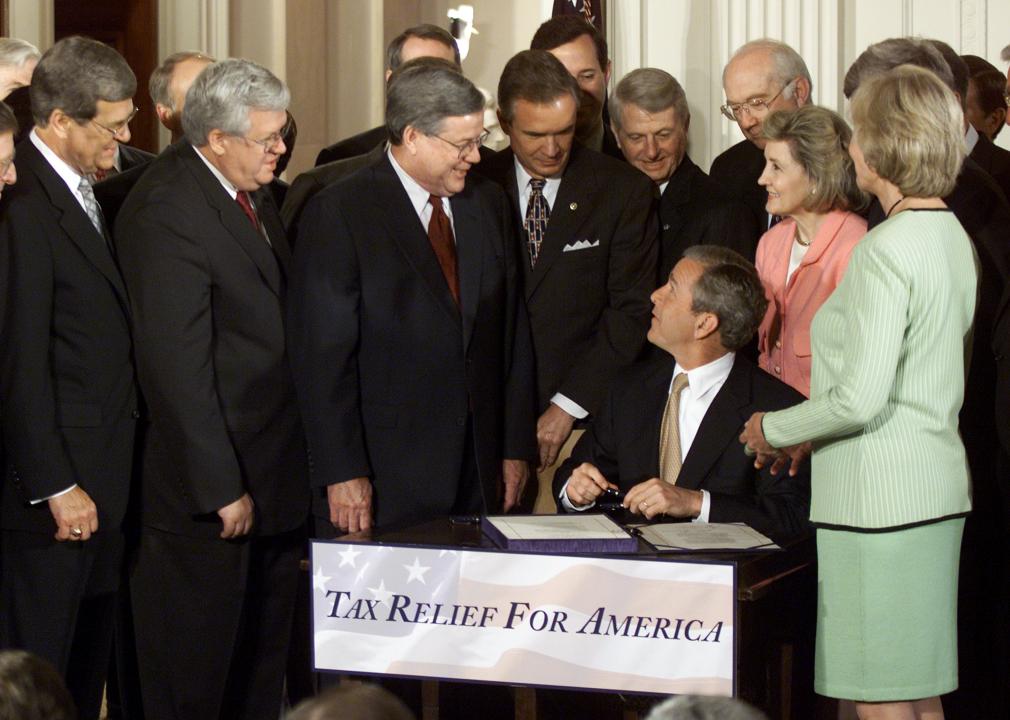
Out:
{"x": 409, "y": 139}
{"x": 217, "y": 142}
{"x": 801, "y": 91}
{"x": 506, "y": 127}
{"x": 706, "y": 323}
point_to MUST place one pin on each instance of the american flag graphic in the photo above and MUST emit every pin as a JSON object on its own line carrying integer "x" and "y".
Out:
{"x": 524, "y": 619}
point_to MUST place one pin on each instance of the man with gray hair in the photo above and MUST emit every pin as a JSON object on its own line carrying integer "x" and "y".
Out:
{"x": 67, "y": 387}
{"x": 18, "y": 59}
{"x": 762, "y": 76}
{"x": 224, "y": 491}
{"x": 650, "y": 118}
{"x": 409, "y": 340}
{"x": 664, "y": 437}
{"x": 168, "y": 85}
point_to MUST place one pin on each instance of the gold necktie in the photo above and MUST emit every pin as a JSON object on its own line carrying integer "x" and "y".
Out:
{"x": 669, "y": 433}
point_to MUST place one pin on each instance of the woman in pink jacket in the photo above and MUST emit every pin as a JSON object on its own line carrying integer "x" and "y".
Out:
{"x": 811, "y": 184}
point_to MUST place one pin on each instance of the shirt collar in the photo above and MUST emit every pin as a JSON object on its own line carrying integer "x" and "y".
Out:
{"x": 704, "y": 377}
{"x": 225, "y": 182}
{"x": 417, "y": 194}
{"x": 970, "y": 138}
{"x": 66, "y": 173}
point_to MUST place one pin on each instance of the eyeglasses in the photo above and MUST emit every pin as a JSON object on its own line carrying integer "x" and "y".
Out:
{"x": 118, "y": 129}
{"x": 464, "y": 149}
{"x": 270, "y": 142}
{"x": 754, "y": 106}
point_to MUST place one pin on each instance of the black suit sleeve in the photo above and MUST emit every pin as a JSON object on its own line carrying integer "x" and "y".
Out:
{"x": 32, "y": 438}
{"x": 520, "y": 378}
{"x": 778, "y": 508}
{"x": 323, "y": 333}
{"x": 733, "y": 227}
{"x": 631, "y": 278}
{"x": 174, "y": 336}
{"x": 598, "y": 446}
{"x": 303, "y": 188}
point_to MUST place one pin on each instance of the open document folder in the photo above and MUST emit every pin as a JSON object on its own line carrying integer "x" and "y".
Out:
{"x": 559, "y": 533}
{"x": 680, "y": 537}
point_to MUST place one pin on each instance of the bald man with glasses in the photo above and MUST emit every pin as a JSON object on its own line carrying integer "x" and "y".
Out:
{"x": 762, "y": 76}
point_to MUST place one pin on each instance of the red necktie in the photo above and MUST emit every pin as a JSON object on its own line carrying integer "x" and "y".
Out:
{"x": 242, "y": 198}
{"x": 442, "y": 242}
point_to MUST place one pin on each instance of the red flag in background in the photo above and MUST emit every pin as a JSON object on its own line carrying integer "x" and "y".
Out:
{"x": 593, "y": 11}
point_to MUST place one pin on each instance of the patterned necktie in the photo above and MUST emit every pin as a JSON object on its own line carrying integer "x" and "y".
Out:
{"x": 242, "y": 198}
{"x": 538, "y": 212}
{"x": 669, "y": 433}
{"x": 90, "y": 204}
{"x": 442, "y": 242}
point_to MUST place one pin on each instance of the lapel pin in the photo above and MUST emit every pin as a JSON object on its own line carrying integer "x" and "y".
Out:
{"x": 573, "y": 206}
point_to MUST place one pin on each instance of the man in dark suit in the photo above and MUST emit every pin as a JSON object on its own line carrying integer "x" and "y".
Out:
{"x": 760, "y": 77}
{"x": 985, "y": 109}
{"x": 582, "y": 49}
{"x": 418, "y": 41}
{"x": 981, "y": 208}
{"x": 168, "y": 85}
{"x": 409, "y": 341}
{"x": 650, "y": 118}
{"x": 666, "y": 435}
{"x": 68, "y": 395}
{"x": 589, "y": 248}
{"x": 224, "y": 492}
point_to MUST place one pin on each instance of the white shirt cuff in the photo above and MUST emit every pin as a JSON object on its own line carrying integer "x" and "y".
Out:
{"x": 569, "y": 406}
{"x": 706, "y": 506}
{"x": 54, "y": 495}
{"x": 567, "y": 504}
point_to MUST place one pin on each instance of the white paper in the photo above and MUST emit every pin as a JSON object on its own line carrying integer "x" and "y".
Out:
{"x": 705, "y": 536}
{"x": 558, "y": 527}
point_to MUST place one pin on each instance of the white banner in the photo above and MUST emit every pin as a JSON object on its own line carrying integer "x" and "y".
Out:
{"x": 649, "y": 626}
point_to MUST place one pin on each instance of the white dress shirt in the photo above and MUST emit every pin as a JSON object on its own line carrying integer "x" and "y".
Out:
{"x": 703, "y": 384}
{"x": 419, "y": 196}
{"x": 231, "y": 189}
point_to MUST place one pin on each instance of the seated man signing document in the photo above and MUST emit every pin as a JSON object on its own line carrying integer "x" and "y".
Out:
{"x": 666, "y": 435}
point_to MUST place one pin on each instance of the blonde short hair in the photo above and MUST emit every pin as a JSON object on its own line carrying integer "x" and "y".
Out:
{"x": 819, "y": 141}
{"x": 910, "y": 128}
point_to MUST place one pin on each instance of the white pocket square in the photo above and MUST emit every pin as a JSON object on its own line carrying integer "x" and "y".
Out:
{"x": 580, "y": 245}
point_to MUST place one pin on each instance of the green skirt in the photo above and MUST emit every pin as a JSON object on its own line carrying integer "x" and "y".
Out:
{"x": 887, "y": 612}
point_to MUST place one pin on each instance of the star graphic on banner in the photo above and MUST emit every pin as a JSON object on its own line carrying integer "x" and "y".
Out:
{"x": 381, "y": 593}
{"x": 347, "y": 557}
{"x": 416, "y": 571}
{"x": 319, "y": 580}
{"x": 361, "y": 573}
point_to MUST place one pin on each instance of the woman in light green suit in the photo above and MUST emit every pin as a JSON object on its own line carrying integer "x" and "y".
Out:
{"x": 890, "y": 485}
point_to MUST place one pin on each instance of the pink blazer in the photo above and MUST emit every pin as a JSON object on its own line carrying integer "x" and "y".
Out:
{"x": 784, "y": 334}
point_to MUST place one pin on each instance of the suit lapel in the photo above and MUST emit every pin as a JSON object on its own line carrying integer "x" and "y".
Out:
{"x": 74, "y": 220}
{"x": 571, "y": 209}
{"x": 469, "y": 258}
{"x": 234, "y": 220}
{"x": 402, "y": 224}
{"x": 266, "y": 208}
{"x": 720, "y": 427}
{"x": 679, "y": 192}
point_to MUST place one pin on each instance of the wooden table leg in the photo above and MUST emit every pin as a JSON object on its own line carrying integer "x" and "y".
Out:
{"x": 429, "y": 700}
{"x": 526, "y": 703}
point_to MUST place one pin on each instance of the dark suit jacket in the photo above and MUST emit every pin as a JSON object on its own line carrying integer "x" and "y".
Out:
{"x": 208, "y": 296}
{"x": 589, "y": 306}
{"x": 695, "y": 210}
{"x": 131, "y": 157}
{"x": 312, "y": 181}
{"x": 111, "y": 193}
{"x": 995, "y": 161}
{"x": 68, "y": 392}
{"x": 737, "y": 169}
{"x": 355, "y": 145}
{"x": 388, "y": 368}
{"x": 623, "y": 442}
